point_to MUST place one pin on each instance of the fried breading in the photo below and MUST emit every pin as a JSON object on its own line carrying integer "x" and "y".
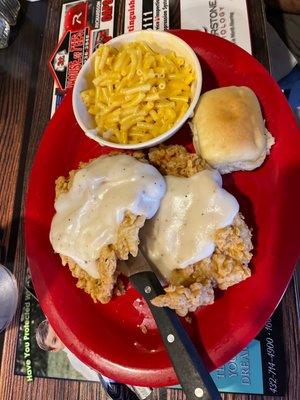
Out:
{"x": 227, "y": 266}
{"x": 189, "y": 288}
{"x": 128, "y": 236}
{"x": 127, "y": 243}
{"x": 63, "y": 184}
{"x": 185, "y": 299}
{"x": 176, "y": 160}
{"x": 99, "y": 289}
{"x": 235, "y": 240}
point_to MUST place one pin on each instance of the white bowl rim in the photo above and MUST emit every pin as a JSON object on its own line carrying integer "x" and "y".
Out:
{"x": 164, "y": 136}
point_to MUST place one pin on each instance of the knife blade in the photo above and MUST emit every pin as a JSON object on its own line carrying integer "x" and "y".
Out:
{"x": 192, "y": 374}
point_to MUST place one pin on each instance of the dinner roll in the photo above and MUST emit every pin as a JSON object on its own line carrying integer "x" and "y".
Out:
{"x": 229, "y": 130}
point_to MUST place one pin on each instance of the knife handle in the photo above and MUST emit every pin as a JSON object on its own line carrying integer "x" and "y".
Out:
{"x": 189, "y": 367}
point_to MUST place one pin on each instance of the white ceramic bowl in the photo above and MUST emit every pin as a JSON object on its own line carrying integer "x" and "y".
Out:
{"x": 159, "y": 41}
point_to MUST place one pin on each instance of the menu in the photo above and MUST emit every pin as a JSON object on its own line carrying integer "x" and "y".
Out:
{"x": 258, "y": 369}
{"x": 84, "y": 25}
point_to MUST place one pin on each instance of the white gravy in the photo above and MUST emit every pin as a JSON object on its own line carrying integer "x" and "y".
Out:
{"x": 88, "y": 215}
{"x": 182, "y": 231}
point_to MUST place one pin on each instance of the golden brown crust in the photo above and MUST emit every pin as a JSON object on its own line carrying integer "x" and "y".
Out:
{"x": 128, "y": 236}
{"x": 228, "y": 264}
{"x": 189, "y": 288}
{"x": 176, "y": 160}
{"x": 99, "y": 289}
{"x": 185, "y": 299}
{"x": 226, "y": 267}
{"x": 127, "y": 243}
{"x": 229, "y": 126}
{"x": 235, "y": 240}
{"x": 229, "y": 131}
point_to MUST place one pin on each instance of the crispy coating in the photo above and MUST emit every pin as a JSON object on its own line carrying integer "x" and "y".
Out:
{"x": 128, "y": 236}
{"x": 176, "y": 160}
{"x": 235, "y": 240}
{"x": 189, "y": 288}
{"x": 227, "y": 266}
{"x": 63, "y": 184}
{"x": 221, "y": 269}
{"x": 127, "y": 243}
{"x": 99, "y": 289}
{"x": 184, "y": 299}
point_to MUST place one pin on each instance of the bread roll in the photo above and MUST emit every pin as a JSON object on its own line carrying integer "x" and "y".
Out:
{"x": 229, "y": 130}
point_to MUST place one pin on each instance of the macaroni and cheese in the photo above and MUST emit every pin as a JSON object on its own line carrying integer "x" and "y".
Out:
{"x": 137, "y": 94}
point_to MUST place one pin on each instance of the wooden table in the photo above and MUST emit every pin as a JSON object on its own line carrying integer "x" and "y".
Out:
{"x": 25, "y": 97}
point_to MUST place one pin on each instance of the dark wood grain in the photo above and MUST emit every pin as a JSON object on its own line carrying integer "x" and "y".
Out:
{"x": 257, "y": 24}
{"x": 17, "y": 93}
{"x": 25, "y": 97}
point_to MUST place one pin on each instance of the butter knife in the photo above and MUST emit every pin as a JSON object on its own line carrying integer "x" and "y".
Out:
{"x": 194, "y": 378}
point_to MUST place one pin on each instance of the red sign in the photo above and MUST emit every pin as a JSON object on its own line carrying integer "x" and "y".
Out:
{"x": 76, "y": 17}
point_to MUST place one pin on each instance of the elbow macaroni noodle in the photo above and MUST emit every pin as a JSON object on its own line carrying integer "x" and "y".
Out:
{"x": 137, "y": 94}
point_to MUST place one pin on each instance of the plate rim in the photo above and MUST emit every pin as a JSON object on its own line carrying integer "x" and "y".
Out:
{"x": 151, "y": 377}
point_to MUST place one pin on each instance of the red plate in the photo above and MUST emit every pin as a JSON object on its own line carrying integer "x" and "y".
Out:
{"x": 106, "y": 336}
